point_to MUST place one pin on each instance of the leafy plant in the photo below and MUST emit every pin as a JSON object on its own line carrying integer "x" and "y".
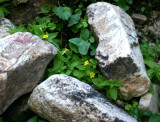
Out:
{"x": 151, "y": 53}
{"x": 1, "y": 119}
{"x": 84, "y": 42}
{"x": 3, "y": 9}
{"x": 35, "y": 119}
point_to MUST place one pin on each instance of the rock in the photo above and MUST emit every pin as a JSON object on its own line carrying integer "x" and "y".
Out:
{"x": 23, "y": 59}
{"x": 3, "y": 30}
{"x": 26, "y": 13}
{"x": 150, "y": 101}
{"x": 139, "y": 19}
{"x": 118, "y": 52}
{"x": 18, "y": 111}
{"x": 17, "y": 2}
{"x": 62, "y": 98}
{"x": 155, "y": 28}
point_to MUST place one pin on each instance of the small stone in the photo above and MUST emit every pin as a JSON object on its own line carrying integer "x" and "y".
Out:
{"x": 62, "y": 98}
{"x": 17, "y": 2}
{"x": 23, "y": 60}
{"x": 3, "y": 30}
{"x": 118, "y": 52}
{"x": 139, "y": 19}
{"x": 150, "y": 101}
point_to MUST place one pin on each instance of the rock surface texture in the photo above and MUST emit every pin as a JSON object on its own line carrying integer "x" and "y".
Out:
{"x": 118, "y": 51}
{"x": 23, "y": 59}
{"x": 150, "y": 101}
{"x": 62, "y": 98}
{"x": 3, "y": 30}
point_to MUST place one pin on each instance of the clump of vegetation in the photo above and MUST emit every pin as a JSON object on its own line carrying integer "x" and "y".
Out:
{"x": 67, "y": 28}
{"x": 3, "y": 9}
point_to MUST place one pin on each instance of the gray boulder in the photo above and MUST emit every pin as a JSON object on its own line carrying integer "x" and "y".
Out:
{"x": 3, "y": 30}
{"x": 118, "y": 51}
{"x": 23, "y": 59}
{"x": 62, "y": 98}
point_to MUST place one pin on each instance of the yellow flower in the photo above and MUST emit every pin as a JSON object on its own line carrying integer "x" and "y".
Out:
{"x": 86, "y": 62}
{"x": 45, "y": 36}
{"x": 92, "y": 74}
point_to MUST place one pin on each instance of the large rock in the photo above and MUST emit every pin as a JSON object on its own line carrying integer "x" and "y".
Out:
{"x": 3, "y": 30}
{"x": 23, "y": 59}
{"x": 62, "y": 98}
{"x": 118, "y": 51}
{"x": 150, "y": 101}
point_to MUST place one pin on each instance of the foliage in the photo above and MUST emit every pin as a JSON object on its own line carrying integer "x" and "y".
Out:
{"x": 35, "y": 119}
{"x": 68, "y": 30}
{"x": 151, "y": 53}
{"x": 3, "y": 10}
{"x": 1, "y": 119}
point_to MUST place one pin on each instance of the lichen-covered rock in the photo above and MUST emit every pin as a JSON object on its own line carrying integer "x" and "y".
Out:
{"x": 150, "y": 101}
{"x": 23, "y": 59}
{"x": 62, "y": 98}
{"x": 118, "y": 51}
{"x": 3, "y": 30}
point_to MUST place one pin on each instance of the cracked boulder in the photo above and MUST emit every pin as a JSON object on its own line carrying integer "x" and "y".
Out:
{"x": 3, "y": 30}
{"x": 62, "y": 98}
{"x": 118, "y": 51}
{"x": 23, "y": 59}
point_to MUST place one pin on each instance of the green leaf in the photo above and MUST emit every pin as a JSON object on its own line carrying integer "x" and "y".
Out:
{"x": 105, "y": 83}
{"x": 76, "y": 41}
{"x": 128, "y": 107}
{"x": 53, "y": 35}
{"x": 91, "y": 39}
{"x": 63, "y": 12}
{"x": 41, "y": 121}
{"x": 68, "y": 72}
{"x": 45, "y": 8}
{"x": 84, "y": 47}
{"x": 33, "y": 119}
{"x": 78, "y": 11}
{"x": 117, "y": 83}
{"x": 151, "y": 89}
{"x": 74, "y": 64}
{"x": 1, "y": 12}
{"x": 57, "y": 63}
{"x": 147, "y": 113}
{"x": 96, "y": 82}
{"x": 38, "y": 32}
{"x": 113, "y": 92}
{"x": 155, "y": 118}
{"x": 84, "y": 34}
{"x": 51, "y": 26}
{"x": 129, "y": 1}
{"x": 74, "y": 20}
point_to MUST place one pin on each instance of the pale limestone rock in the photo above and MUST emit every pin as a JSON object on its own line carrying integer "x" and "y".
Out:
{"x": 62, "y": 98}
{"x": 3, "y": 30}
{"x": 139, "y": 18}
{"x": 23, "y": 59}
{"x": 150, "y": 101}
{"x": 118, "y": 51}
